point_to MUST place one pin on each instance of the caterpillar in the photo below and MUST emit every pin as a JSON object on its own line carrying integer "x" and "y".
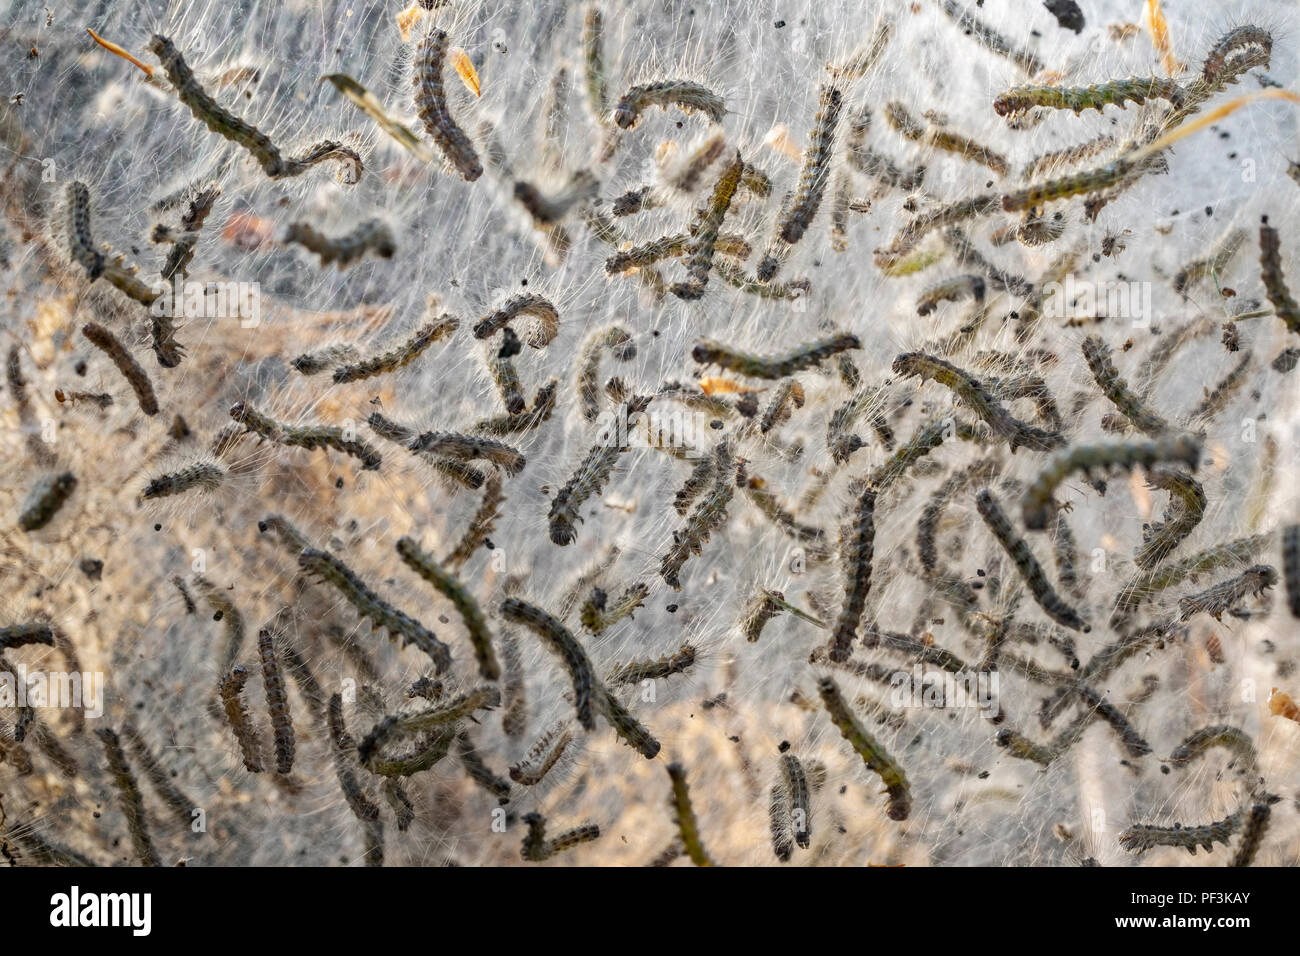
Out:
{"x": 1068, "y": 156}
{"x": 873, "y": 755}
{"x": 543, "y": 406}
{"x": 45, "y": 500}
{"x": 949, "y": 290}
{"x": 990, "y": 39}
{"x": 596, "y": 617}
{"x": 231, "y": 688}
{"x": 182, "y": 807}
{"x": 1225, "y": 249}
{"x": 707, "y": 517}
{"x": 927, "y": 527}
{"x": 81, "y": 244}
{"x": 1024, "y": 748}
{"x": 736, "y": 277}
{"x": 128, "y": 792}
{"x": 21, "y": 635}
{"x": 1226, "y": 595}
{"x": 330, "y": 569}
{"x": 1232, "y": 739}
{"x": 1066, "y": 553}
{"x": 373, "y": 235}
{"x": 204, "y": 475}
{"x": 647, "y": 254}
{"x": 755, "y": 490}
{"x": 1178, "y": 522}
{"x": 221, "y": 121}
{"x": 431, "y": 103}
{"x": 309, "y": 437}
{"x": 1026, "y": 563}
{"x": 1116, "y": 390}
{"x": 688, "y": 96}
{"x": 841, "y": 443}
{"x": 558, "y": 639}
{"x": 701, "y": 248}
{"x": 621, "y": 346}
{"x": 470, "y": 447}
{"x": 135, "y": 375}
{"x": 456, "y": 471}
{"x": 1015, "y": 102}
{"x": 977, "y": 398}
{"x": 1286, "y": 360}
{"x": 182, "y": 254}
{"x": 684, "y": 813}
{"x": 633, "y": 672}
{"x": 179, "y": 582}
{"x": 893, "y": 259}
{"x": 779, "y": 815}
{"x": 302, "y": 675}
{"x": 1069, "y": 185}
{"x": 277, "y": 702}
{"x": 783, "y": 365}
{"x": 332, "y": 356}
{"x": 589, "y": 478}
{"x": 1246, "y": 45}
{"x": 968, "y": 256}
{"x": 1252, "y": 834}
{"x": 936, "y": 138}
{"x": 547, "y": 211}
{"x": 536, "y": 848}
{"x": 796, "y": 789}
{"x": 368, "y": 103}
{"x": 1270, "y": 263}
{"x": 514, "y": 713}
{"x": 479, "y": 771}
{"x": 628, "y": 728}
{"x": 789, "y": 395}
{"x": 1037, "y": 503}
{"x": 593, "y": 58}
{"x": 1215, "y": 400}
{"x": 480, "y": 526}
{"x": 857, "y": 542}
{"x": 439, "y": 720}
{"x": 545, "y": 325}
{"x": 341, "y": 745}
{"x": 1143, "y": 836}
{"x": 400, "y": 356}
{"x": 1291, "y": 566}
{"x": 542, "y": 755}
{"x": 399, "y": 802}
{"x": 455, "y": 591}
{"x": 685, "y": 176}
{"x": 762, "y": 607}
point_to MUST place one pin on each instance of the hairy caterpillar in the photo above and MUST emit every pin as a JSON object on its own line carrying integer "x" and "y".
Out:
{"x": 687, "y": 826}
{"x": 136, "y": 377}
{"x": 399, "y": 802}
{"x": 756, "y": 491}
{"x": 968, "y": 256}
{"x": 332, "y": 356}
{"x": 688, "y": 96}
{"x": 1235, "y": 52}
{"x": 542, "y": 755}
{"x": 799, "y": 212}
{"x": 977, "y": 398}
{"x": 1027, "y": 564}
{"x": 45, "y": 499}
{"x": 701, "y": 477}
{"x": 547, "y": 211}
{"x": 81, "y": 244}
{"x": 373, "y": 235}
{"x": 893, "y": 259}
{"x": 1224, "y": 596}
{"x": 936, "y": 138}
{"x": 1232, "y": 739}
{"x": 368, "y": 103}
{"x": 231, "y": 127}
{"x": 796, "y": 789}
{"x": 783, "y": 365}
{"x": 596, "y": 617}
{"x": 593, "y": 58}
{"x": 545, "y": 325}
{"x": 309, "y": 437}
{"x": 21, "y": 635}
{"x": 685, "y": 177}
{"x": 399, "y": 357}
{"x": 779, "y": 816}
{"x": 875, "y": 756}
{"x": 438, "y": 723}
{"x": 1037, "y": 503}
{"x": 950, "y": 290}
{"x": 205, "y": 475}
{"x": 455, "y": 591}
{"x": 707, "y": 517}
{"x": 480, "y": 526}
{"x": 1021, "y": 99}
{"x": 1222, "y": 254}
{"x": 1291, "y": 566}
{"x": 277, "y": 702}
{"x": 588, "y": 479}
{"x": 1178, "y": 522}
{"x": 736, "y": 277}
{"x": 857, "y": 542}
{"x": 128, "y": 793}
{"x": 181, "y": 255}
{"x": 231, "y": 688}
{"x": 1142, "y": 837}
{"x": 470, "y": 447}
{"x": 841, "y": 443}
{"x": 1068, "y": 156}
{"x": 341, "y": 745}
{"x": 1270, "y": 263}
{"x": 537, "y": 848}
{"x": 558, "y": 639}
{"x": 456, "y": 471}
{"x": 1215, "y": 400}
{"x": 701, "y": 248}
{"x": 181, "y": 806}
{"x": 330, "y": 569}
{"x": 1097, "y": 355}
{"x": 633, "y": 672}
{"x": 1071, "y": 184}
{"x": 1252, "y": 834}
{"x": 927, "y": 527}
{"x": 762, "y": 607}
{"x": 431, "y": 102}
{"x": 479, "y": 771}
{"x": 543, "y": 406}
{"x": 789, "y": 395}
{"x": 1024, "y": 748}
{"x": 621, "y": 346}
{"x": 990, "y": 39}
{"x": 628, "y": 728}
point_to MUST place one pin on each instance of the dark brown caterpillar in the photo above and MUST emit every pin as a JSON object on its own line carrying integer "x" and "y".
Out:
{"x": 557, "y": 637}
{"x": 684, "y": 94}
{"x": 277, "y": 702}
{"x": 1291, "y": 567}
{"x": 1232, "y": 739}
{"x": 872, "y": 753}
{"x": 809, "y": 355}
{"x": 204, "y": 475}
{"x": 455, "y": 591}
{"x": 927, "y": 527}
{"x": 401, "y": 356}
{"x": 537, "y": 848}
{"x": 45, "y": 499}
{"x": 309, "y": 437}
{"x": 431, "y": 102}
{"x": 701, "y": 247}
{"x": 1143, "y": 836}
{"x": 1270, "y": 264}
{"x": 857, "y": 544}
{"x": 21, "y": 635}
{"x": 1187, "y": 503}
{"x": 589, "y": 479}
{"x": 548, "y": 210}
{"x": 479, "y": 771}
{"x": 129, "y": 794}
{"x": 628, "y": 728}
{"x": 1252, "y": 834}
{"x": 331, "y": 356}
{"x": 182, "y": 806}
{"x": 707, "y": 517}
{"x": 341, "y": 745}
{"x": 231, "y": 689}
{"x": 1226, "y": 595}
{"x": 1097, "y": 354}
{"x": 796, "y": 789}
{"x": 131, "y": 370}
{"x": 373, "y": 235}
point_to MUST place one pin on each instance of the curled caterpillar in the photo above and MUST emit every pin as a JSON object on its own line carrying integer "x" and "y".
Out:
{"x": 309, "y": 437}
{"x": 684, "y": 813}
{"x": 1226, "y": 595}
{"x": 557, "y": 637}
{"x": 545, "y": 325}
{"x": 979, "y": 400}
{"x": 431, "y": 102}
{"x": 1235, "y": 52}
{"x": 373, "y": 235}
{"x": 621, "y": 346}
{"x": 399, "y": 357}
{"x": 204, "y": 475}
{"x": 128, "y": 792}
{"x": 1270, "y": 263}
{"x": 537, "y": 848}
{"x": 367, "y": 604}
{"x": 455, "y": 591}
{"x": 221, "y": 121}
{"x": 596, "y": 616}
{"x": 857, "y": 543}
{"x": 277, "y": 702}
{"x": 1021, "y": 99}
{"x": 542, "y": 755}
{"x": 45, "y": 499}
{"x": 231, "y": 689}
{"x": 1027, "y": 564}
{"x": 131, "y": 370}
{"x": 809, "y": 355}
{"x": 872, "y": 753}
{"x": 707, "y": 517}
{"x": 469, "y": 448}
{"x": 1037, "y": 503}
{"x": 1186, "y": 509}
{"x": 686, "y": 95}
{"x": 1143, "y": 836}
{"x": 543, "y": 407}
{"x": 701, "y": 248}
